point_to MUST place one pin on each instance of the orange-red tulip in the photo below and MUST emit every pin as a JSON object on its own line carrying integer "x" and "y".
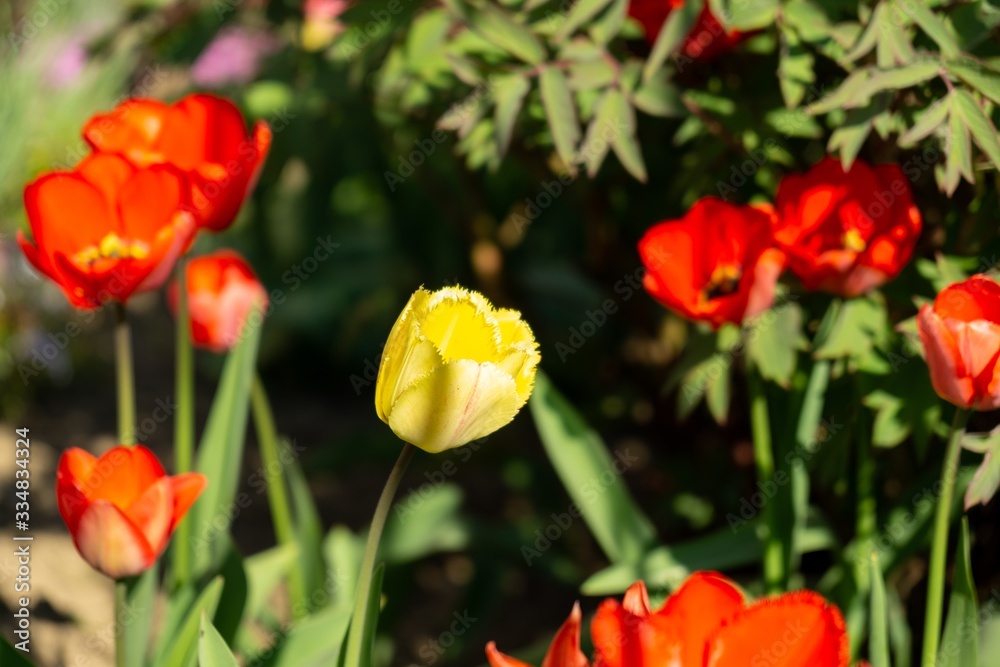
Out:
{"x": 223, "y": 291}
{"x": 705, "y": 623}
{"x": 203, "y": 135}
{"x": 107, "y": 229}
{"x": 121, "y": 508}
{"x": 961, "y": 336}
{"x": 716, "y": 264}
{"x": 846, "y": 232}
{"x": 708, "y": 37}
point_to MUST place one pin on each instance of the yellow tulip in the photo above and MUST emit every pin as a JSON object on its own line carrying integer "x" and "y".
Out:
{"x": 454, "y": 369}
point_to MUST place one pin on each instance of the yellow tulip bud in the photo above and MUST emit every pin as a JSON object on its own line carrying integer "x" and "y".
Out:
{"x": 454, "y": 369}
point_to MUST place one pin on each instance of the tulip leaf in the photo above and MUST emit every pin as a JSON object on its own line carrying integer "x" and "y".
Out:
{"x": 425, "y": 522}
{"x": 960, "y": 641}
{"x": 986, "y": 481}
{"x": 183, "y": 648}
{"x": 727, "y": 548}
{"x": 265, "y": 571}
{"x": 233, "y": 599}
{"x": 560, "y": 110}
{"x": 878, "y": 643}
{"x": 858, "y": 325}
{"x": 220, "y": 455}
{"x": 591, "y": 476}
{"x": 315, "y": 640}
{"x": 12, "y": 657}
{"x": 212, "y": 649}
{"x": 309, "y": 530}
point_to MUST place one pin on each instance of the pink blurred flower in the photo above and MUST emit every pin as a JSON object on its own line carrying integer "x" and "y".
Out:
{"x": 233, "y": 57}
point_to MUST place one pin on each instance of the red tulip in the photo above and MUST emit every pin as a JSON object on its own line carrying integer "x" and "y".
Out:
{"x": 708, "y": 38}
{"x": 223, "y": 291}
{"x": 846, "y": 232}
{"x": 961, "y": 337}
{"x": 121, "y": 508}
{"x": 107, "y": 229}
{"x": 705, "y": 623}
{"x": 716, "y": 264}
{"x": 203, "y": 135}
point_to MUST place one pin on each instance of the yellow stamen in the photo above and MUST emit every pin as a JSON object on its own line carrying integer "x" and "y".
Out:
{"x": 113, "y": 247}
{"x": 853, "y": 241}
{"x": 724, "y": 281}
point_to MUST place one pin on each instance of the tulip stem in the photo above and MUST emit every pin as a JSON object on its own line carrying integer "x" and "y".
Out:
{"x": 356, "y": 636}
{"x": 277, "y": 490}
{"x": 760, "y": 425}
{"x": 121, "y": 607}
{"x": 939, "y": 543}
{"x": 867, "y": 517}
{"x": 125, "y": 377}
{"x": 184, "y": 419}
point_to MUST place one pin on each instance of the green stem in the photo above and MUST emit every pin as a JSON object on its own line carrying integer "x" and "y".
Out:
{"x": 867, "y": 518}
{"x": 760, "y": 425}
{"x": 939, "y": 543}
{"x": 277, "y": 490}
{"x": 121, "y": 601}
{"x": 356, "y": 635}
{"x": 125, "y": 377}
{"x": 184, "y": 418}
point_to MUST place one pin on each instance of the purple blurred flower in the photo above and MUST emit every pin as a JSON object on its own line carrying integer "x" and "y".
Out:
{"x": 233, "y": 57}
{"x": 68, "y": 64}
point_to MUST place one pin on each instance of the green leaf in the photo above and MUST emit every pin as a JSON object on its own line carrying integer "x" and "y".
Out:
{"x": 220, "y": 455}
{"x": 509, "y": 94}
{"x": 591, "y": 476}
{"x": 859, "y": 324}
{"x": 960, "y": 641}
{"x": 929, "y": 121}
{"x": 932, "y": 25}
{"x": 749, "y": 16}
{"x": 12, "y": 657}
{"x": 560, "y": 110}
{"x": 595, "y": 144}
{"x": 141, "y": 602}
{"x": 808, "y": 19}
{"x": 897, "y": 78}
{"x": 960, "y": 145}
{"x": 581, "y": 12}
{"x": 986, "y": 481}
{"x": 183, "y": 648}
{"x": 497, "y": 26}
{"x": 878, "y": 644}
{"x": 870, "y": 36}
{"x": 677, "y": 26}
{"x": 977, "y": 75}
{"x": 425, "y": 522}
{"x": 624, "y": 142}
{"x": 610, "y": 25}
{"x": 659, "y": 97}
{"x": 795, "y": 68}
{"x": 265, "y": 571}
{"x": 212, "y": 649}
{"x": 983, "y": 131}
{"x": 308, "y": 529}
{"x": 847, "y": 93}
{"x": 774, "y": 342}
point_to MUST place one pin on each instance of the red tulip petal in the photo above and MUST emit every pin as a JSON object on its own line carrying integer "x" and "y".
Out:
{"x": 636, "y": 600}
{"x": 206, "y": 128}
{"x": 695, "y": 612}
{"x": 171, "y": 242}
{"x": 793, "y": 630}
{"x": 111, "y": 543}
{"x": 75, "y": 466}
{"x": 187, "y": 488}
{"x": 946, "y": 367}
{"x": 565, "y": 650}
{"x": 498, "y": 659}
{"x": 122, "y": 475}
{"x": 153, "y": 514}
{"x": 106, "y": 172}
{"x": 131, "y": 129}
{"x": 37, "y": 259}
{"x": 150, "y": 201}
{"x": 67, "y": 213}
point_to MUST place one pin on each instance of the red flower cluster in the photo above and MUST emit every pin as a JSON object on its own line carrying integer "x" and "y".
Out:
{"x": 843, "y": 232}
{"x": 116, "y": 223}
{"x": 705, "y": 623}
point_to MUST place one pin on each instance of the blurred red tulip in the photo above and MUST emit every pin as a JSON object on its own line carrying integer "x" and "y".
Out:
{"x": 708, "y": 38}
{"x": 961, "y": 336}
{"x": 846, "y": 232}
{"x": 122, "y": 508}
{"x": 107, "y": 229}
{"x": 203, "y": 135}
{"x": 705, "y": 623}
{"x": 223, "y": 291}
{"x": 716, "y": 264}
